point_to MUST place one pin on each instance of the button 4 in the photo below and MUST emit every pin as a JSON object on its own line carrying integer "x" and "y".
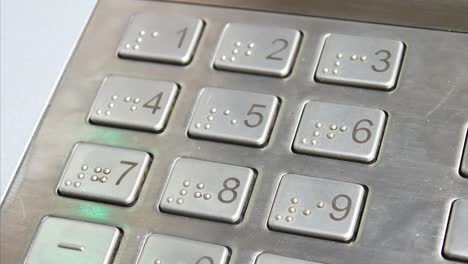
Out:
{"x": 340, "y": 131}
{"x": 159, "y": 38}
{"x": 257, "y": 49}
{"x": 234, "y": 116}
{"x": 208, "y": 190}
{"x": 317, "y": 207}
{"x": 104, "y": 173}
{"x": 358, "y": 61}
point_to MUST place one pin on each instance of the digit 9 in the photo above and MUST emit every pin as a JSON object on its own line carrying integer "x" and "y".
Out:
{"x": 346, "y": 209}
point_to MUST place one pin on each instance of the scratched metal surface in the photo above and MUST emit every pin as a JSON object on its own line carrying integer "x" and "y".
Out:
{"x": 411, "y": 185}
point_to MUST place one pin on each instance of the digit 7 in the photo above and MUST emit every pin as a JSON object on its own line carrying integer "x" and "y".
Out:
{"x": 131, "y": 166}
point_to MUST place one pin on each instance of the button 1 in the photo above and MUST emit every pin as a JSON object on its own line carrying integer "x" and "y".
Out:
{"x": 161, "y": 249}
{"x": 464, "y": 165}
{"x": 317, "y": 207}
{"x": 104, "y": 173}
{"x": 275, "y": 259}
{"x": 134, "y": 103}
{"x": 456, "y": 240}
{"x": 359, "y": 61}
{"x": 340, "y": 131}
{"x": 234, "y": 116}
{"x": 61, "y": 241}
{"x": 208, "y": 190}
{"x": 158, "y": 38}
{"x": 257, "y": 49}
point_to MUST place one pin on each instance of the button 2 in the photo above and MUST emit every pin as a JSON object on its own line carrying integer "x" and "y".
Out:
{"x": 104, "y": 173}
{"x": 208, "y": 190}
{"x": 456, "y": 240}
{"x": 358, "y": 61}
{"x": 133, "y": 103}
{"x": 275, "y": 259}
{"x": 61, "y": 241}
{"x": 234, "y": 116}
{"x": 340, "y": 131}
{"x": 317, "y": 207}
{"x": 159, "y": 38}
{"x": 160, "y": 249}
{"x": 257, "y": 49}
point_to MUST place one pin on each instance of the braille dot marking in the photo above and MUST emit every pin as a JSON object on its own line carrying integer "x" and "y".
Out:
{"x": 97, "y": 169}
{"x": 363, "y": 58}
{"x": 354, "y": 57}
{"x": 68, "y": 183}
{"x": 84, "y": 167}
{"x": 114, "y": 97}
{"x": 99, "y": 112}
{"x": 110, "y": 105}
{"x": 343, "y": 129}
{"x": 289, "y": 219}
{"x": 81, "y": 176}
{"x": 103, "y": 179}
{"x": 94, "y": 178}
{"x": 197, "y": 194}
{"x": 335, "y": 71}
{"x": 307, "y": 212}
{"x": 142, "y": 33}
{"x": 107, "y": 171}
{"x": 251, "y": 45}
{"x": 339, "y": 55}
{"x": 213, "y": 110}
{"x": 235, "y": 51}
{"x": 186, "y": 183}
{"x": 234, "y": 121}
{"x": 155, "y": 34}
{"x": 330, "y": 135}
{"x": 127, "y": 46}
{"x": 278, "y": 217}
{"x": 157, "y": 261}
{"x": 77, "y": 184}
{"x": 238, "y": 44}
{"x": 248, "y": 53}
{"x": 292, "y": 210}
{"x": 320, "y": 204}
{"x": 227, "y": 112}
{"x": 223, "y": 58}
{"x": 108, "y": 113}
{"x": 318, "y": 125}
{"x": 333, "y": 127}
{"x": 136, "y": 47}
{"x": 207, "y": 126}
{"x": 200, "y": 186}
{"x": 207, "y": 196}
{"x": 337, "y": 63}
{"x": 180, "y": 201}
{"x": 304, "y": 140}
{"x": 170, "y": 199}
{"x": 233, "y": 59}
{"x": 133, "y": 108}
{"x": 139, "y": 40}
{"x": 127, "y": 99}
{"x": 210, "y": 118}
{"x": 313, "y": 142}
{"x": 294, "y": 201}
{"x": 197, "y": 125}
{"x": 326, "y": 70}
{"x": 316, "y": 133}
{"x": 136, "y": 100}
{"x": 183, "y": 192}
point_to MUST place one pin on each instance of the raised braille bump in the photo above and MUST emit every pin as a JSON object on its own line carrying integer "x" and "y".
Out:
{"x": 68, "y": 183}
{"x": 170, "y": 199}
{"x": 292, "y": 209}
{"x": 307, "y": 212}
{"x": 186, "y": 183}
{"x": 108, "y": 113}
{"x": 330, "y": 135}
{"x": 183, "y": 192}
{"x": 207, "y": 196}
{"x": 81, "y": 176}
{"x": 77, "y": 184}
{"x": 197, "y": 194}
{"x": 294, "y": 201}
{"x": 94, "y": 178}
{"x": 333, "y": 127}
{"x": 320, "y": 204}
{"x": 316, "y": 133}
{"x": 180, "y": 201}
{"x": 107, "y": 171}
{"x": 289, "y": 218}
{"x": 97, "y": 169}
{"x": 318, "y": 125}
{"x": 200, "y": 186}
{"x": 84, "y": 167}
{"x": 278, "y": 217}
{"x": 103, "y": 179}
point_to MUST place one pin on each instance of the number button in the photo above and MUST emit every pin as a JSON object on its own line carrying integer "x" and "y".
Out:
{"x": 464, "y": 165}
{"x": 274, "y": 259}
{"x": 358, "y": 61}
{"x": 234, "y": 116}
{"x": 340, "y": 131}
{"x": 160, "y": 249}
{"x": 456, "y": 240}
{"x": 134, "y": 103}
{"x": 152, "y": 37}
{"x": 104, "y": 173}
{"x": 61, "y": 240}
{"x": 317, "y": 207}
{"x": 208, "y": 190}
{"x": 257, "y": 49}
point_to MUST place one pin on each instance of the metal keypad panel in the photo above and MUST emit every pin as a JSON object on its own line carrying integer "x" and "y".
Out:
{"x": 133, "y": 103}
{"x": 234, "y": 116}
{"x": 456, "y": 240}
{"x": 104, "y": 173}
{"x": 208, "y": 190}
{"x": 340, "y": 131}
{"x": 266, "y": 258}
{"x": 359, "y": 61}
{"x": 160, "y": 249}
{"x": 161, "y": 38}
{"x": 464, "y": 164}
{"x": 60, "y": 240}
{"x": 257, "y": 49}
{"x": 317, "y": 207}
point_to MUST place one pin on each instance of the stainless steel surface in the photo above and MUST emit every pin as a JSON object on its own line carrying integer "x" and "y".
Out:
{"x": 60, "y": 240}
{"x": 361, "y": 62}
{"x": 257, "y": 49}
{"x": 430, "y": 14}
{"x": 208, "y": 190}
{"x": 104, "y": 174}
{"x": 275, "y": 259}
{"x": 317, "y": 207}
{"x": 456, "y": 241}
{"x": 411, "y": 185}
{"x": 239, "y": 117}
{"x": 134, "y": 103}
{"x": 168, "y": 249}
{"x": 154, "y": 38}
{"x": 340, "y": 131}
